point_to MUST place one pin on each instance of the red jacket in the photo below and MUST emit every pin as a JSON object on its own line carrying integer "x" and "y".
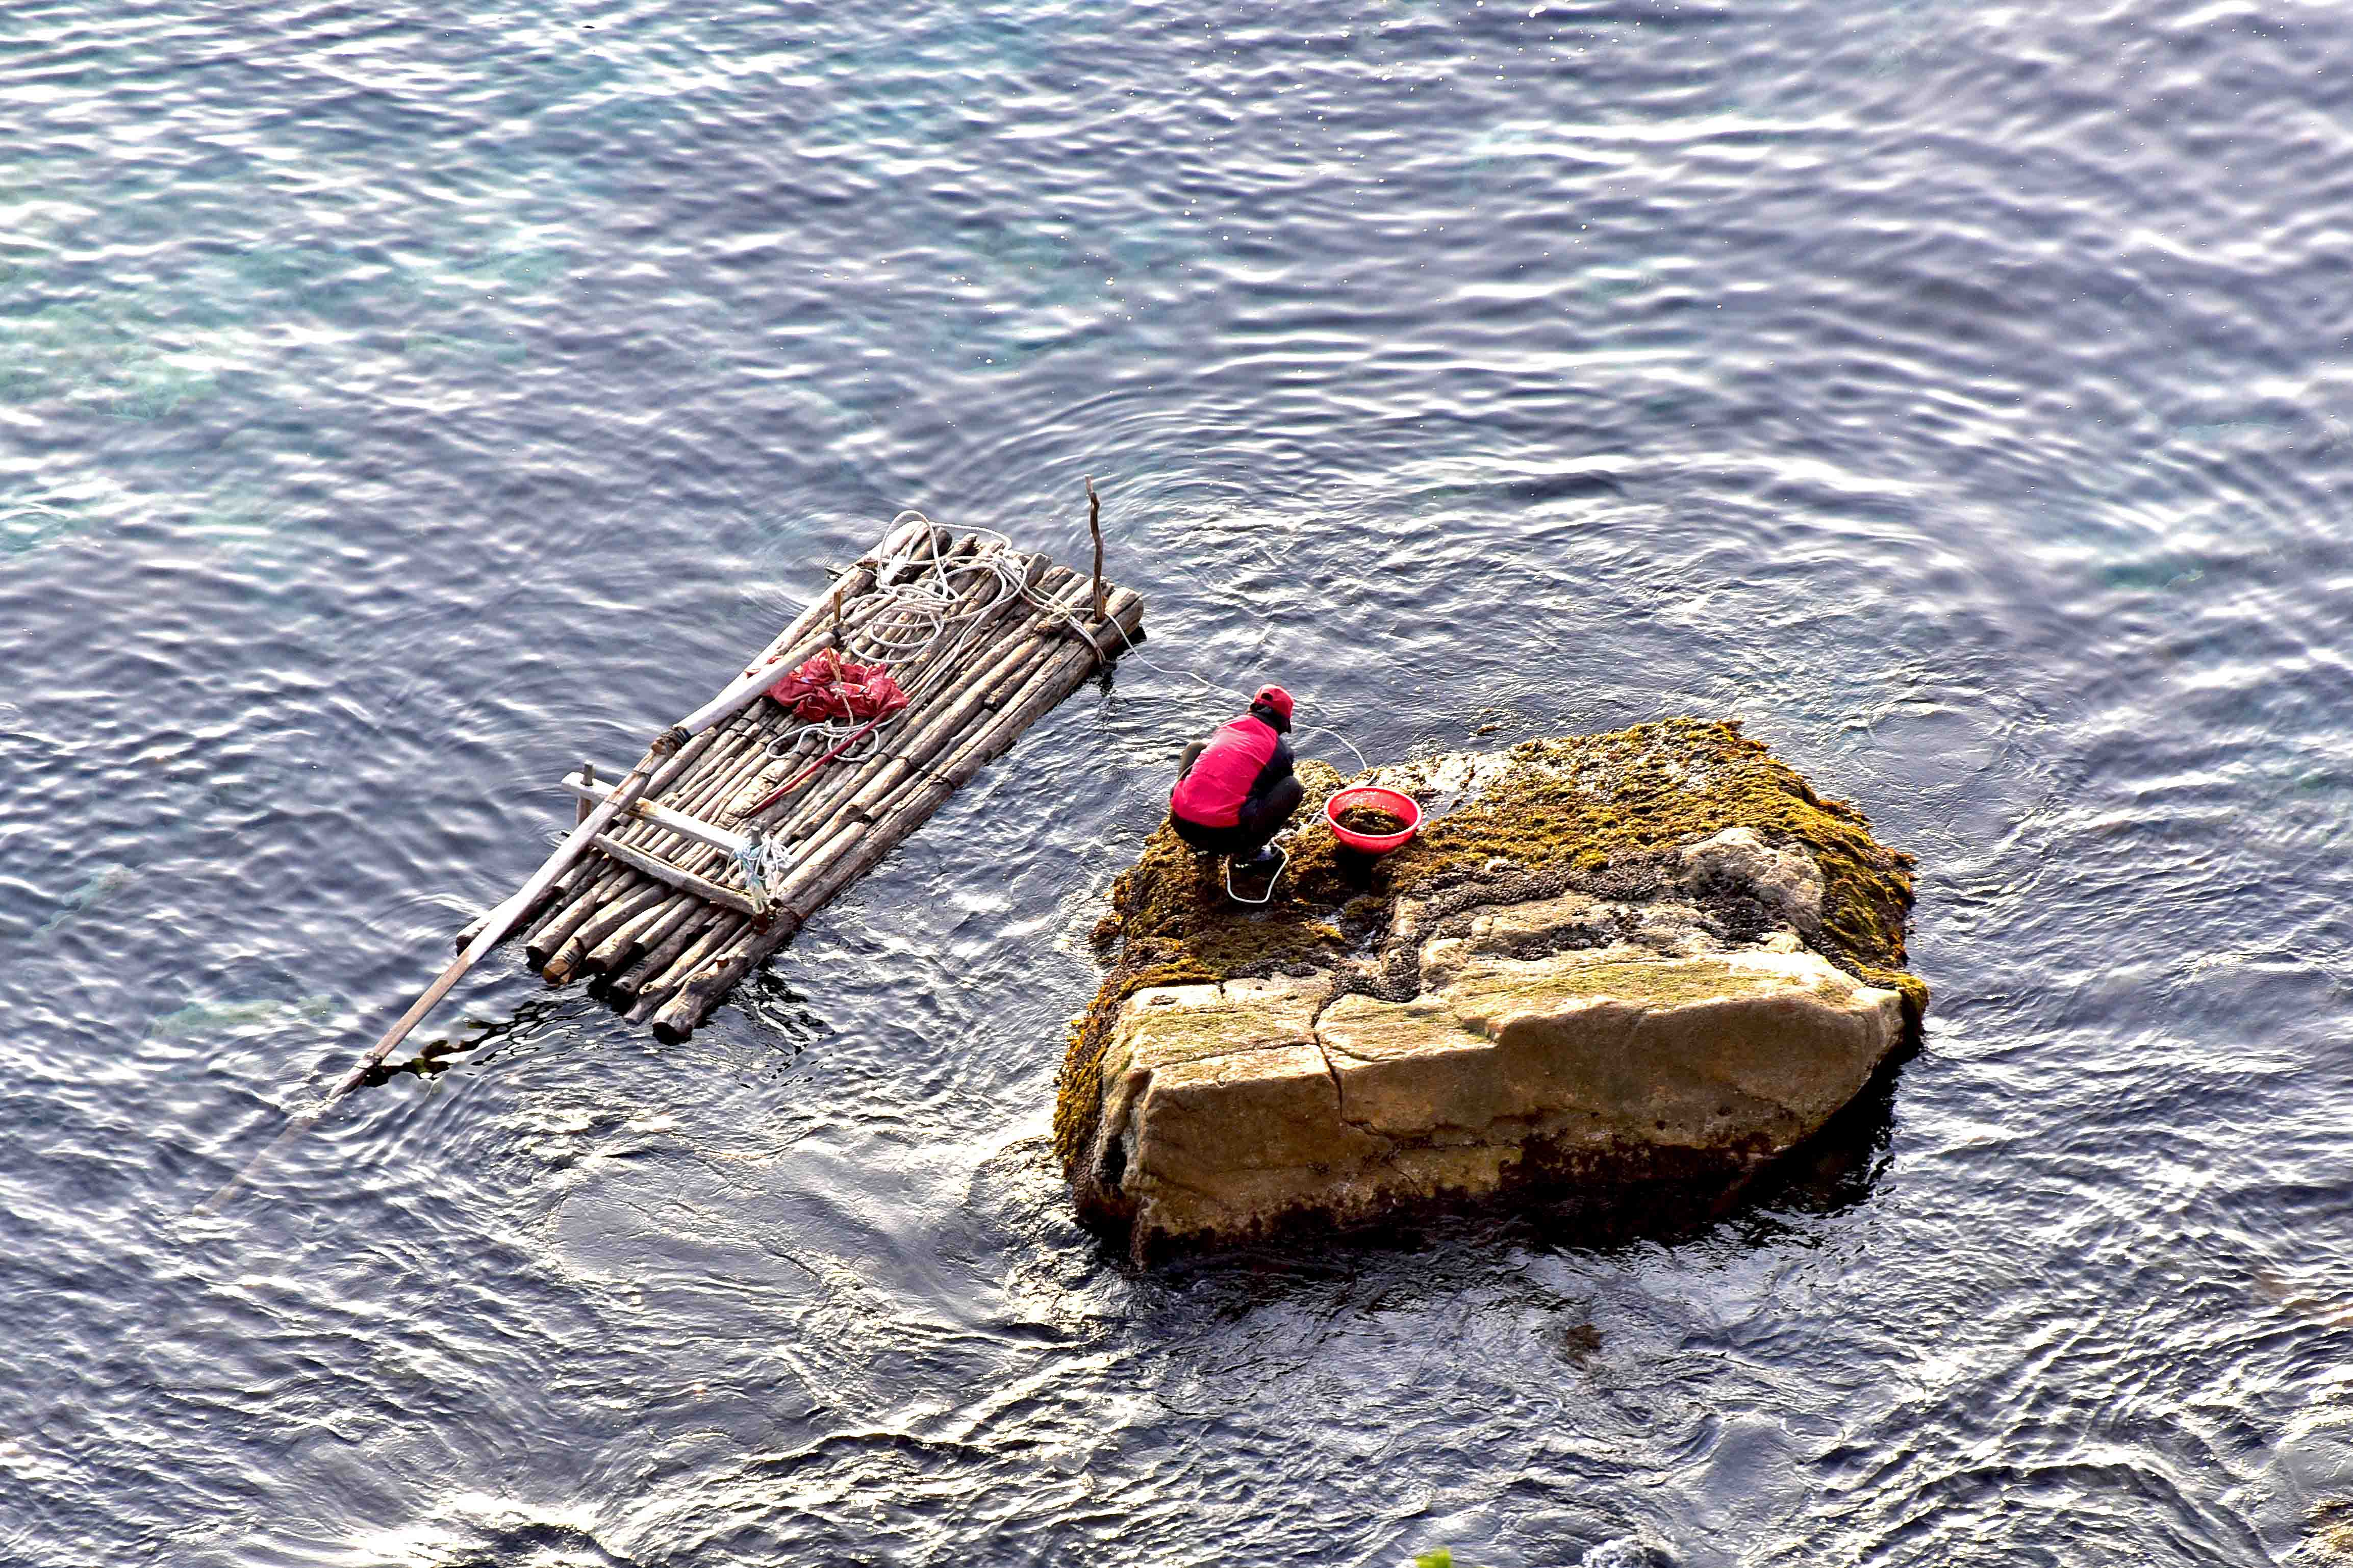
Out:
{"x": 1242, "y": 759}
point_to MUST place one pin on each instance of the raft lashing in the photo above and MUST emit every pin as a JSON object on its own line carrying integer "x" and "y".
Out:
{"x": 758, "y": 821}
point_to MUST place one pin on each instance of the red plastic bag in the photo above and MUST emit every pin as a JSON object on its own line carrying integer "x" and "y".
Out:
{"x": 830, "y": 687}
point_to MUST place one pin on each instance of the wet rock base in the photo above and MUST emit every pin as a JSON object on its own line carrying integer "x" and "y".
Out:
{"x": 1638, "y": 967}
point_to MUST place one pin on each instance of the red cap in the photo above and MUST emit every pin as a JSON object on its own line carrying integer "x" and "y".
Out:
{"x": 1274, "y": 696}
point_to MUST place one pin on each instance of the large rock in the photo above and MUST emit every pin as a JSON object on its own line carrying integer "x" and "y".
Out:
{"x": 1639, "y": 1007}
{"x": 1230, "y": 1110}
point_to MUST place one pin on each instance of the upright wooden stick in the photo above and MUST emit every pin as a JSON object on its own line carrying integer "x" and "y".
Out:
{"x": 1095, "y": 526}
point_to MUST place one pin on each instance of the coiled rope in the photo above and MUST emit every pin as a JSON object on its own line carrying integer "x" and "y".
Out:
{"x": 926, "y": 602}
{"x": 941, "y": 598}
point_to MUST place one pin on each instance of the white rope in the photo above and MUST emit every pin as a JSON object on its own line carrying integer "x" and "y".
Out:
{"x": 913, "y": 617}
{"x": 1080, "y": 627}
{"x": 1220, "y": 693}
{"x": 762, "y": 863}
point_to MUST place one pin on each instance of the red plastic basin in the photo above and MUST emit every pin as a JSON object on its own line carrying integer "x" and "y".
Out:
{"x": 1401, "y": 806}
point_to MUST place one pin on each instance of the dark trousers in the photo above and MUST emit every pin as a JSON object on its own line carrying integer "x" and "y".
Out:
{"x": 1263, "y": 815}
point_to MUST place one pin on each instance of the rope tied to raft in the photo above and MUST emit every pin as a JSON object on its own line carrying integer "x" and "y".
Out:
{"x": 842, "y": 698}
{"x": 1215, "y": 689}
{"x": 836, "y": 696}
{"x": 913, "y": 607}
{"x": 1076, "y": 624}
{"x": 761, "y": 863}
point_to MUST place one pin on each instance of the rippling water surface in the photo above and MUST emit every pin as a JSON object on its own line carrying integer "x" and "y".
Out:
{"x": 400, "y": 404}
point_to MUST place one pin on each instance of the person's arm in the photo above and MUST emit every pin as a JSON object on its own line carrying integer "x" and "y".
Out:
{"x": 1277, "y": 769}
{"x": 1192, "y": 755}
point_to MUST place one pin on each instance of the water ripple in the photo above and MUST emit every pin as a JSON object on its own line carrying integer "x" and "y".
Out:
{"x": 395, "y": 411}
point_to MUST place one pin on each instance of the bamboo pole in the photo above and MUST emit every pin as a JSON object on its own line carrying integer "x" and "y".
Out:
{"x": 494, "y": 931}
{"x": 694, "y": 912}
{"x": 857, "y": 615}
{"x": 673, "y": 822}
{"x": 564, "y": 960}
{"x": 594, "y": 875}
{"x": 689, "y": 756}
{"x": 993, "y": 682}
{"x": 909, "y": 676}
{"x": 1018, "y": 704}
{"x": 626, "y": 974}
{"x": 718, "y": 934}
{"x": 662, "y": 987}
{"x": 947, "y": 664}
{"x": 849, "y": 853}
{"x": 695, "y": 860}
{"x": 1007, "y": 662}
{"x": 822, "y": 795}
{"x": 622, "y": 945}
{"x": 714, "y": 788}
{"x": 708, "y": 788}
{"x": 592, "y": 871}
{"x": 742, "y": 689}
{"x": 1046, "y": 685}
{"x": 566, "y": 917}
{"x": 688, "y": 790}
{"x": 556, "y": 902}
{"x": 708, "y": 793}
{"x": 662, "y": 870}
{"x": 546, "y": 907}
{"x": 697, "y": 917}
{"x": 817, "y": 807}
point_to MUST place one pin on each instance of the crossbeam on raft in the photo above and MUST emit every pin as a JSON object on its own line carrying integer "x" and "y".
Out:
{"x": 662, "y": 871}
{"x": 983, "y": 638}
{"x": 677, "y": 822}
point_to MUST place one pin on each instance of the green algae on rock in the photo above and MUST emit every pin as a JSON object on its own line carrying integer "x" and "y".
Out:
{"x": 1662, "y": 842}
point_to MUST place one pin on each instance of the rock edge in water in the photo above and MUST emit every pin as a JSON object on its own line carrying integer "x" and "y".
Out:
{"x": 1652, "y": 955}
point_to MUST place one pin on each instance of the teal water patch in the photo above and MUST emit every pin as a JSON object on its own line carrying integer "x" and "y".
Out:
{"x": 105, "y": 882}
{"x": 255, "y": 535}
{"x": 2162, "y": 573}
{"x": 34, "y": 526}
{"x": 443, "y": 346}
{"x": 106, "y": 354}
{"x": 214, "y": 1017}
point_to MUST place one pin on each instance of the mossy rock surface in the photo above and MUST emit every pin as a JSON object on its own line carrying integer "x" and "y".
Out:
{"x": 1589, "y": 812}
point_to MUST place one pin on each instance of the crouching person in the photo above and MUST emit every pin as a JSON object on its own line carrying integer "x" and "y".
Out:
{"x": 1236, "y": 789}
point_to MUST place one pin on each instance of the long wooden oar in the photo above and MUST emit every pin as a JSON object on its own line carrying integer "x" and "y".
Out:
{"x": 502, "y": 919}
{"x": 495, "y": 931}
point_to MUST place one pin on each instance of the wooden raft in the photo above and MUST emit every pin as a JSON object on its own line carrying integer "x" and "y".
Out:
{"x": 661, "y": 908}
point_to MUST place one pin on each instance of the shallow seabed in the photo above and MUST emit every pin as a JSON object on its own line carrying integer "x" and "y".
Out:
{"x": 399, "y": 405}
